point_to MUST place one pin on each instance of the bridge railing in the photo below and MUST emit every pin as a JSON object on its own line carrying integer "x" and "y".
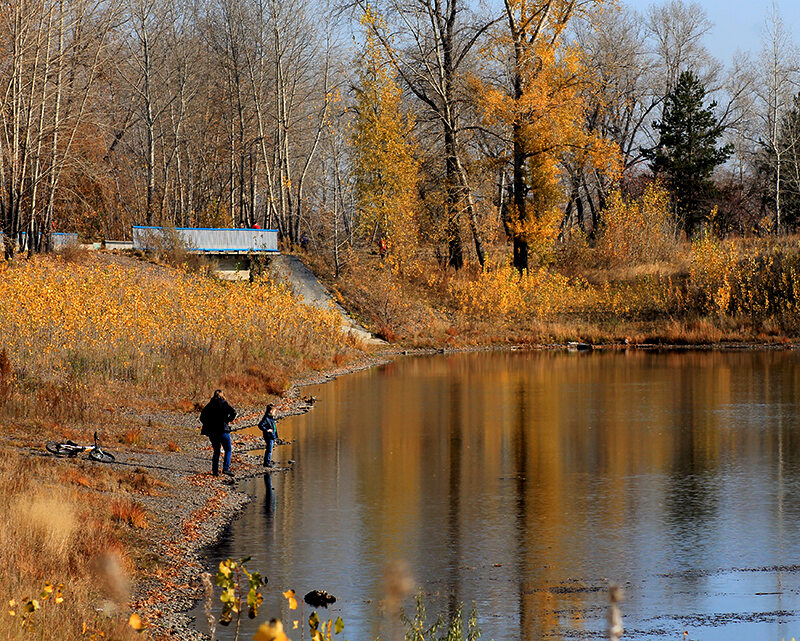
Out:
{"x": 211, "y": 240}
{"x": 59, "y": 240}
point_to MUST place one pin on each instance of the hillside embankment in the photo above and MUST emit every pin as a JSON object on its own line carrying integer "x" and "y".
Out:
{"x": 711, "y": 291}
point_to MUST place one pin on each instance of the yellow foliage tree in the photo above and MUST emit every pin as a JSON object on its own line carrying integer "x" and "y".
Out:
{"x": 542, "y": 110}
{"x": 385, "y": 168}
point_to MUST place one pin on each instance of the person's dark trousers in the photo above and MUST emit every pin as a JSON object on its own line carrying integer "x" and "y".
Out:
{"x": 216, "y": 443}
{"x": 268, "y": 442}
{"x": 223, "y": 441}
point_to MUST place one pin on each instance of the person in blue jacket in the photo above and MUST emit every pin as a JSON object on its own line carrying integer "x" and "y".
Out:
{"x": 215, "y": 417}
{"x": 270, "y": 432}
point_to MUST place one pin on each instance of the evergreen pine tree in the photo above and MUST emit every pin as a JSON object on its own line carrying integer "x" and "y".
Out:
{"x": 686, "y": 152}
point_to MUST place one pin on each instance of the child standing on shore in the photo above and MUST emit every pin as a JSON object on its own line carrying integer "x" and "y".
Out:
{"x": 270, "y": 432}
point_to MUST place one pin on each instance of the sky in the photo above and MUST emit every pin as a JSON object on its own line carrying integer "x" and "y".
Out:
{"x": 738, "y": 24}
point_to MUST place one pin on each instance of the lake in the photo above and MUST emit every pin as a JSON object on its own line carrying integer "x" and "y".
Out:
{"x": 525, "y": 482}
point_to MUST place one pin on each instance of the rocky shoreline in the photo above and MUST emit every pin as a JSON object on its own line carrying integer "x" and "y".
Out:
{"x": 196, "y": 509}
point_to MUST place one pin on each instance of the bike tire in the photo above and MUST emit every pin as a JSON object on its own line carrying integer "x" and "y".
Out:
{"x": 61, "y": 449}
{"x": 101, "y": 456}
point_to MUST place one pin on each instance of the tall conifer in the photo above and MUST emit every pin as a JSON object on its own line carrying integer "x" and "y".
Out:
{"x": 687, "y": 149}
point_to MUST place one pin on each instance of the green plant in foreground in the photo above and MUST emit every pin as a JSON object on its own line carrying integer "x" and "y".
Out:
{"x": 417, "y": 628}
{"x": 240, "y": 588}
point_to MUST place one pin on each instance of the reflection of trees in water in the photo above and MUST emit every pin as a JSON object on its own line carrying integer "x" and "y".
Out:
{"x": 454, "y": 492}
{"x": 528, "y": 616}
{"x": 692, "y": 501}
{"x": 692, "y": 495}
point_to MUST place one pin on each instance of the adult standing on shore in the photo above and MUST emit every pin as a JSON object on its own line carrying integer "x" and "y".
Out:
{"x": 215, "y": 417}
{"x": 270, "y": 432}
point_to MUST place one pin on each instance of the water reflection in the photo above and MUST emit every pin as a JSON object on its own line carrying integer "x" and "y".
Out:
{"x": 523, "y": 481}
{"x": 269, "y": 501}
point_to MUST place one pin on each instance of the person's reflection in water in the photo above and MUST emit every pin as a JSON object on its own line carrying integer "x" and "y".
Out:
{"x": 269, "y": 499}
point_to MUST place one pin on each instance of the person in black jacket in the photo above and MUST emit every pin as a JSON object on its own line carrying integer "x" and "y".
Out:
{"x": 270, "y": 433}
{"x": 215, "y": 417}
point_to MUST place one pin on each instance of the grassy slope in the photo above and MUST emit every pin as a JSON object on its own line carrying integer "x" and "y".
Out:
{"x": 92, "y": 343}
{"x": 709, "y": 292}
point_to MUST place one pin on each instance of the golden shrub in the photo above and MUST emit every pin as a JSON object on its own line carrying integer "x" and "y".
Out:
{"x": 500, "y": 291}
{"x": 637, "y": 231}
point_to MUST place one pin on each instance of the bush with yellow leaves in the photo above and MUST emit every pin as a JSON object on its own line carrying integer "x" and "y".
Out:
{"x": 712, "y": 272}
{"x": 637, "y": 231}
{"x": 759, "y": 285}
{"x": 501, "y": 292}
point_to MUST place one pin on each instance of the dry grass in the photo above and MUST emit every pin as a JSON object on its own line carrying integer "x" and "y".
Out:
{"x": 143, "y": 330}
{"x": 138, "y": 482}
{"x": 132, "y": 436}
{"x": 74, "y": 253}
{"x": 265, "y": 378}
{"x": 635, "y": 272}
{"x": 49, "y": 533}
{"x": 706, "y": 292}
{"x": 130, "y": 512}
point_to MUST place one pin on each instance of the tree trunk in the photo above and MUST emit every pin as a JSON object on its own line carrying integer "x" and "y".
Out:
{"x": 519, "y": 191}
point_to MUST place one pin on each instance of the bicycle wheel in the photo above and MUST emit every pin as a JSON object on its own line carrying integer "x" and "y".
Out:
{"x": 61, "y": 449}
{"x": 96, "y": 454}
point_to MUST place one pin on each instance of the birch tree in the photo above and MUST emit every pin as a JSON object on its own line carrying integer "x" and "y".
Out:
{"x": 777, "y": 81}
{"x": 55, "y": 51}
{"x": 279, "y": 90}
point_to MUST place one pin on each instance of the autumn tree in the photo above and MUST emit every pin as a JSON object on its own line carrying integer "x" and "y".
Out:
{"x": 430, "y": 43}
{"x": 687, "y": 151}
{"x": 540, "y": 112}
{"x": 53, "y": 53}
{"x": 384, "y": 166}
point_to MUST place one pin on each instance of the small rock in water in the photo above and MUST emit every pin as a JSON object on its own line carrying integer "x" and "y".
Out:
{"x": 579, "y": 347}
{"x": 319, "y": 599}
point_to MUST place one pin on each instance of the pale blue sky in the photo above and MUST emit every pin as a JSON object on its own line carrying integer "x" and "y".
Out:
{"x": 738, "y": 24}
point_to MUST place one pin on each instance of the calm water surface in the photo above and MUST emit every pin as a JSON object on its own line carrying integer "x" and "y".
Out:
{"x": 523, "y": 482}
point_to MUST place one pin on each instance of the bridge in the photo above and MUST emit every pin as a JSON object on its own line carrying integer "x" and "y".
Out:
{"x": 58, "y": 240}
{"x": 216, "y": 241}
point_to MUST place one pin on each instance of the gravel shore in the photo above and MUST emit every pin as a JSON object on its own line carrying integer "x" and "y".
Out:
{"x": 195, "y": 508}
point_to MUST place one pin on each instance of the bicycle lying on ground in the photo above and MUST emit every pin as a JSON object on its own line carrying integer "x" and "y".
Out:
{"x": 68, "y": 448}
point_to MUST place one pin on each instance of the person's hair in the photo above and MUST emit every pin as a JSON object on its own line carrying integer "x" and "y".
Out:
{"x": 270, "y": 406}
{"x": 218, "y": 393}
